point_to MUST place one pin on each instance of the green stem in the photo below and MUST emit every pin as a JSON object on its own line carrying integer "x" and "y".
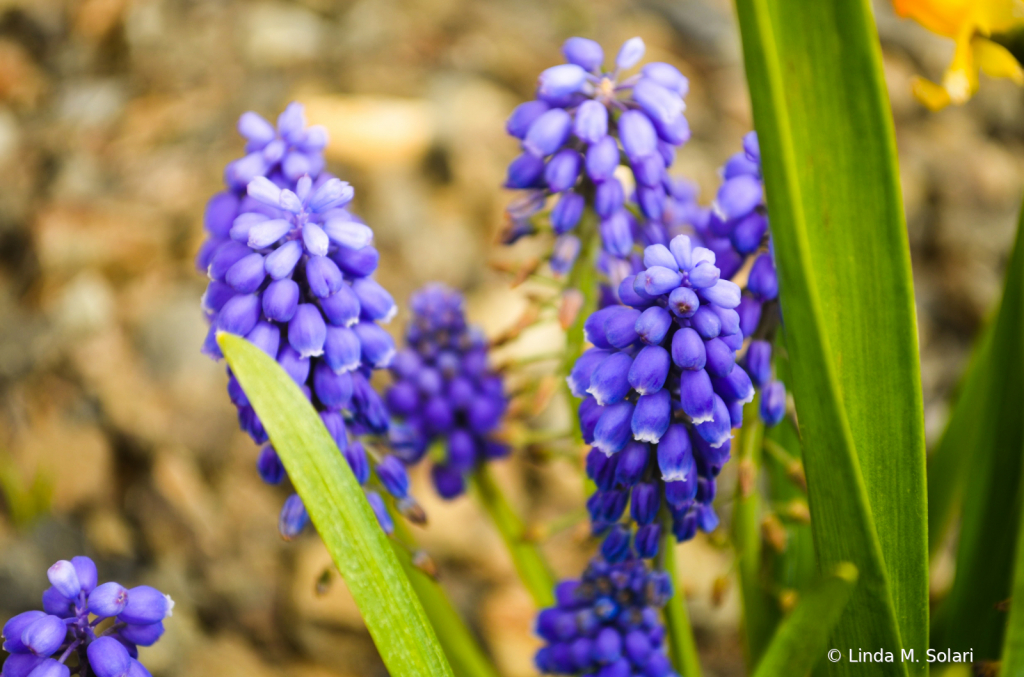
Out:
{"x": 529, "y": 562}
{"x": 681, "y": 644}
{"x": 584, "y": 278}
{"x": 759, "y": 617}
{"x": 467, "y": 657}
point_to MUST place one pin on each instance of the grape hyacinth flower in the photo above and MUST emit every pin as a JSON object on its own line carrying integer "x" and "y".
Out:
{"x": 291, "y": 270}
{"x": 99, "y": 626}
{"x": 291, "y": 148}
{"x": 661, "y": 393}
{"x": 663, "y": 385}
{"x": 736, "y": 229}
{"x": 607, "y": 622}
{"x": 444, "y": 393}
{"x": 585, "y": 124}
{"x": 758, "y": 361}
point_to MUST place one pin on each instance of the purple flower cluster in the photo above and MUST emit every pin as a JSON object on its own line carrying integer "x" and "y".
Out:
{"x": 444, "y": 391}
{"x": 583, "y": 124}
{"x": 607, "y": 623}
{"x": 291, "y": 270}
{"x": 662, "y": 392}
{"x": 735, "y": 228}
{"x": 100, "y": 626}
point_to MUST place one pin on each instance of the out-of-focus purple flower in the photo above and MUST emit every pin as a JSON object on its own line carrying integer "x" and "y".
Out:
{"x": 773, "y": 403}
{"x": 572, "y": 133}
{"x": 444, "y": 392}
{"x": 607, "y": 622}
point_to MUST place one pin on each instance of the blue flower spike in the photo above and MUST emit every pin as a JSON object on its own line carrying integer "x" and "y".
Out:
{"x": 674, "y": 362}
{"x": 585, "y": 123}
{"x": 291, "y": 269}
{"x": 607, "y": 622}
{"x": 445, "y": 394}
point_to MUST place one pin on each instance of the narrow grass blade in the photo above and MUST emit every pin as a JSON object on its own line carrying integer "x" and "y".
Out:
{"x": 346, "y": 523}
{"x": 526, "y": 556}
{"x": 802, "y": 639}
{"x": 793, "y": 569}
{"x": 974, "y": 614}
{"x": 828, "y": 153}
{"x": 760, "y": 614}
{"x": 1012, "y": 664}
{"x": 951, "y": 460}
{"x": 461, "y": 646}
{"x": 681, "y": 643}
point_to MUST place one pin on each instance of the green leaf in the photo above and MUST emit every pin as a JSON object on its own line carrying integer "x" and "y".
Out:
{"x": 972, "y": 613}
{"x": 1012, "y": 663}
{"x": 802, "y": 639}
{"x": 795, "y": 568}
{"x": 530, "y": 564}
{"x": 339, "y": 510}
{"x": 760, "y": 614}
{"x": 829, "y": 159}
{"x": 467, "y": 657}
{"x": 951, "y": 460}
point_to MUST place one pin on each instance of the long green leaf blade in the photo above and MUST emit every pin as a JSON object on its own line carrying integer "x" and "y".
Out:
{"x": 1012, "y": 664}
{"x": 949, "y": 464}
{"x": 972, "y": 613}
{"x": 802, "y": 638}
{"x": 829, "y": 161}
{"x": 460, "y": 645}
{"x": 346, "y": 523}
{"x": 760, "y": 613}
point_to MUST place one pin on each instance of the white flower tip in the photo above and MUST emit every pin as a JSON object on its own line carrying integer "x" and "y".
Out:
{"x": 594, "y": 391}
{"x": 722, "y": 441}
{"x": 651, "y": 436}
{"x": 385, "y": 361}
{"x": 350, "y": 366}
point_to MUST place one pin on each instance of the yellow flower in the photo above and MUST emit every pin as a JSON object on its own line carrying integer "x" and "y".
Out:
{"x": 970, "y": 23}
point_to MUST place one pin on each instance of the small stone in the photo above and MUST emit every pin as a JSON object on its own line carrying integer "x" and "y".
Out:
{"x": 374, "y": 131}
{"x": 507, "y": 616}
{"x": 282, "y": 35}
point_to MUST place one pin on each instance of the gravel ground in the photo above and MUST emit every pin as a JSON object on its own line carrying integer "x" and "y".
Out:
{"x": 116, "y": 118}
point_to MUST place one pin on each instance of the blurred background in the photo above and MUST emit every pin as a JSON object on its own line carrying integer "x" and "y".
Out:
{"x": 116, "y": 436}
